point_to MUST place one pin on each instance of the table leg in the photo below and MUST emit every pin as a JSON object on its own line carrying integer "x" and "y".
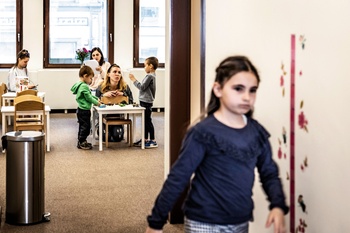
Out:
{"x": 133, "y": 128}
{"x": 100, "y": 127}
{"x": 93, "y": 127}
{"x": 48, "y": 132}
{"x": 3, "y": 124}
{"x": 143, "y": 130}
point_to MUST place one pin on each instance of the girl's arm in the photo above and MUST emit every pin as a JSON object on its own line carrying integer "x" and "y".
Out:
{"x": 269, "y": 177}
{"x": 11, "y": 80}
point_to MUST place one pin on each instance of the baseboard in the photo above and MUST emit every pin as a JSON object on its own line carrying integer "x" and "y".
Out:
{"x": 74, "y": 110}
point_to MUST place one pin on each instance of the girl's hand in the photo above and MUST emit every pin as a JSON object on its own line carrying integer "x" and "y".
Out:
{"x": 276, "y": 217}
{"x": 150, "y": 230}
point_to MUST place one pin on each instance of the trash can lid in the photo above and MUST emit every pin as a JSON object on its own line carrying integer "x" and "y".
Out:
{"x": 25, "y": 136}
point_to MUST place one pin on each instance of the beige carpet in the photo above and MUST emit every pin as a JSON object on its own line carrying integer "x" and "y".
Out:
{"x": 93, "y": 191}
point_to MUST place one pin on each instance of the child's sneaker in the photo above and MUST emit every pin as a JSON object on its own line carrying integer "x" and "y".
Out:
{"x": 151, "y": 144}
{"x": 84, "y": 145}
{"x": 138, "y": 143}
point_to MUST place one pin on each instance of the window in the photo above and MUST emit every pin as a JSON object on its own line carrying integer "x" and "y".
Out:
{"x": 149, "y": 31}
{"x": 10, "y": 31}
{"x": 76, "y": 24}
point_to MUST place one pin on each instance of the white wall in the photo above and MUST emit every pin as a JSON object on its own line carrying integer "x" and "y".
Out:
{"x": 262, "y": 31}
{"x": 57, "y": 82}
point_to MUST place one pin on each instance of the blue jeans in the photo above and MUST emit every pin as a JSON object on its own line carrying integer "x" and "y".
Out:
{"x": 192, "y": 226}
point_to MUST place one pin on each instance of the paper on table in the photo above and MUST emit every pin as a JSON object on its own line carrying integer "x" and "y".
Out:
{"x": 93, "y": 64}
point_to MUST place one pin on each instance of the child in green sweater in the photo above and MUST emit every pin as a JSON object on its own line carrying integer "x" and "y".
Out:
{"x": 85, "y": 100}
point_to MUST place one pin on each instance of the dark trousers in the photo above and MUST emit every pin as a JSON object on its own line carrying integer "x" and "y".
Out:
{"x": 149, "y": 129}
{"x": 84, "y": 124}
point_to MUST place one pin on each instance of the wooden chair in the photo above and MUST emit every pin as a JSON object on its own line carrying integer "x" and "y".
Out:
{"x": 26, "y": 97}
{"x": 27, "y": 92}
{"x": 29, "y": 114}
{"x": 114, "y": 100}
{"x": 117, "y": 120}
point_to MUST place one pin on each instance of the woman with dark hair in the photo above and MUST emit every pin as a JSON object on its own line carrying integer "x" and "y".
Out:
{"x": 96, "y": 54}
{"x": 19, "y": 69}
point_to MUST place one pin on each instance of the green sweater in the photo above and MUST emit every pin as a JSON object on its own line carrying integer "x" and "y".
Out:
{"x": 84, "y": 97}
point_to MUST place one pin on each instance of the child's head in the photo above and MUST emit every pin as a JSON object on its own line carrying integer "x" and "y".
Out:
{"x": 86, "y": 74}
{"x": 151, "y": 64}
{"x": 241, "y": 69}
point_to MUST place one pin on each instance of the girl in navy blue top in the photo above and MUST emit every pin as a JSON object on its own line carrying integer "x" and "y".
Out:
{"x": 222, "y": 152}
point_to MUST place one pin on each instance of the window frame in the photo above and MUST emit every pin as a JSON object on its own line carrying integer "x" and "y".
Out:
{"x": 19, "y": 32}
{"x": 110, "y": 43}
{"x": 136, "y": 46}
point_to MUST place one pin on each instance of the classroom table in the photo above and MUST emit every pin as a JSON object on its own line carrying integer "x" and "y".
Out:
{"x": 116, "y": 109}
{"x": 8, "y": 96}
{"x": 8, "y": 111}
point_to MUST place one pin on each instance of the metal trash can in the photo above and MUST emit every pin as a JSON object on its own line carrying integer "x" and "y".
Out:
{"x": 25, "y": 162}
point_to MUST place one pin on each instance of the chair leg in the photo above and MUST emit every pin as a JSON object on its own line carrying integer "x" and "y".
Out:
{"x": 106, "y": 135}
{"x": 130, "y": 134}
{"x": 127, "y": 133}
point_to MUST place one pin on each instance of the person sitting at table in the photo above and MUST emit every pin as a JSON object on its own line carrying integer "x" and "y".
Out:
{"x": 19, "y": 70}
{"x": 114, "y": 85}
{"x": 96, "y": 54}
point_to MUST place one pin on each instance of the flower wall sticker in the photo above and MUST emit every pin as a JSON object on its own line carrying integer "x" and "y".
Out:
{"x": 304, "y": 164}
{"x": 303, "y": 122}
{"x": 302, "y": 203}
{"x": 284, "y": 73}
{"x": 82, "y": 54}
{"x": 284, "y": 136}
{"x": 301, "y": 227}
{"x": 302, "y": 40}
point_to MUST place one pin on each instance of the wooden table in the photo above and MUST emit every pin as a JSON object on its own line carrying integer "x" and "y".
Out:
{"x": 8, "y": 111}
{"x": 8, "y": 96}
{"x": 116, "y": 109}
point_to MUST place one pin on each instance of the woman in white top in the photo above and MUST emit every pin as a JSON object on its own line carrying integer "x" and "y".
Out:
{"x": 97, "y": 55}
{"x": 19, "y": 69}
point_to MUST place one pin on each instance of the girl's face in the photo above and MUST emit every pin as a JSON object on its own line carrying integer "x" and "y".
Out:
{"x": 238, "y": 94}
{"x": 22, "y": 63}
{"x": 96, "y": 56}
{"x": 115, "y": 74}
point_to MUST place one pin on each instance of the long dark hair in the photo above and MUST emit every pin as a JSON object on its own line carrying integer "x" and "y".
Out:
{"x": 228, "y": 68}
{"x": 102, "y": 60}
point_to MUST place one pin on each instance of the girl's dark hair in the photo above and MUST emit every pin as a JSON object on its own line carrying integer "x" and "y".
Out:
{"x": 226, "y": 69}
{"x": 21, "y": 55}
{"x": 102, "y": 60}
